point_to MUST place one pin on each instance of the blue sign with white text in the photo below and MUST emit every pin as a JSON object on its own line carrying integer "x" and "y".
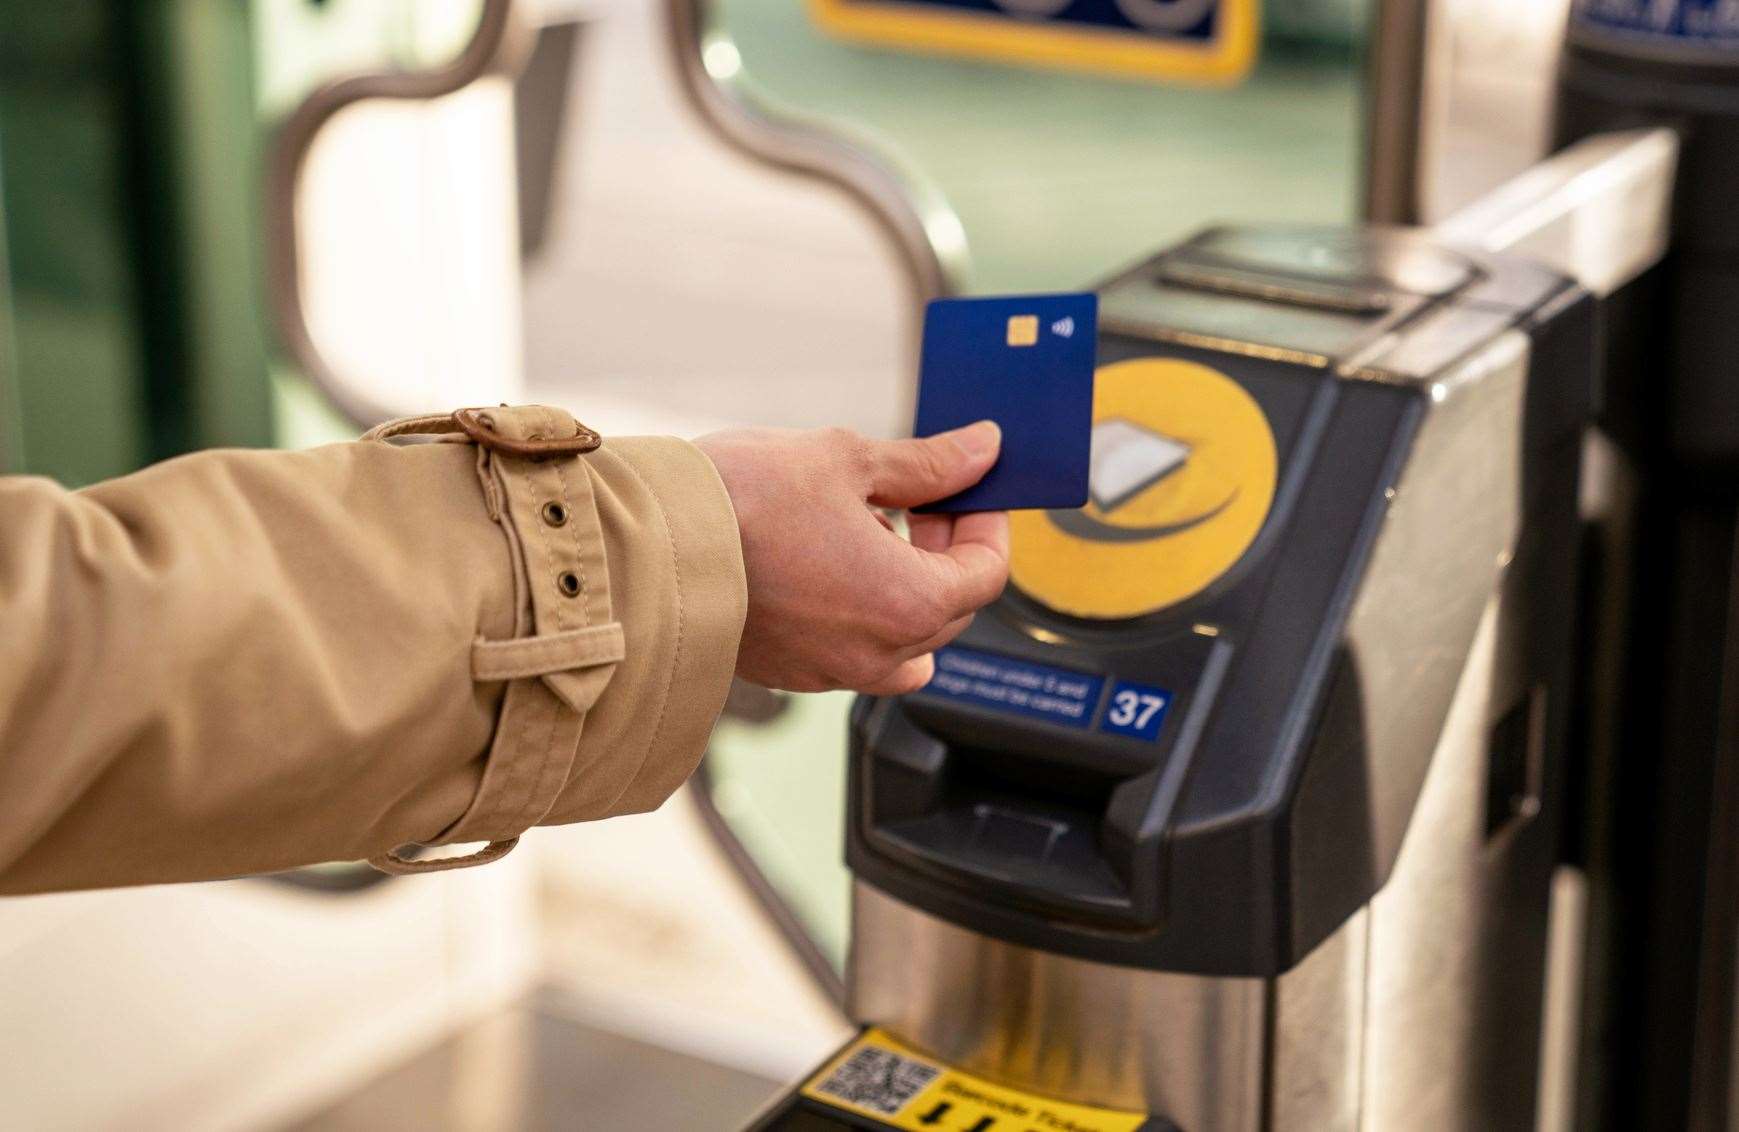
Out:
{"x": 1136, "y": 710}
{"x": 1058, "y": 695}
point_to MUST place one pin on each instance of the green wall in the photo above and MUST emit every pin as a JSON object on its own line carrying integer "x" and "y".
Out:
{"x": 129, "y": 181}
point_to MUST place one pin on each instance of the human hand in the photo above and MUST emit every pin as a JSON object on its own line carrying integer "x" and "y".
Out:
{"x": 836, "y": 598}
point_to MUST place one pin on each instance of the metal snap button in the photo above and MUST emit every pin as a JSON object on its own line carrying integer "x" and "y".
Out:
{"x": 569, "y": 583}
{"x": 555, "y": 514}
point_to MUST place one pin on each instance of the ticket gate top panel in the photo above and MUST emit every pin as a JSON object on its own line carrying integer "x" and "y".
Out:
{"x": 1191, "y": 735}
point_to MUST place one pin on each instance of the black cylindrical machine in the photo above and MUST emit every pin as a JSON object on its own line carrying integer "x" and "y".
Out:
{"x": 1240, "y": 809}
{"x": 1288, "y": 699}
{"x": 1663, "y": 845}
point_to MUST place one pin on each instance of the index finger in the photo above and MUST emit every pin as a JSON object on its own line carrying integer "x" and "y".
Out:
{"x": 975, "y": 565}
{"x": 930, "y": 531}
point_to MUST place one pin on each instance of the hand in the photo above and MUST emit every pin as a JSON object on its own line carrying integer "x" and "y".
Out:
{"x": 836, "y": 598}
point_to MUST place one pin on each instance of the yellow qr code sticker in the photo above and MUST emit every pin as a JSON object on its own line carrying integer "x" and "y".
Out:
{"x": 878, "y": 1077}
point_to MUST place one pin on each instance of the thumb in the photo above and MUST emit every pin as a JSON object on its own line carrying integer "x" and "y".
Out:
{"x": 906, "y": 473}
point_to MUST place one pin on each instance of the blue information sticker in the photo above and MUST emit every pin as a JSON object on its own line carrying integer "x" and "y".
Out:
{"x": 1686, "y": 23}
{"x": 1135, "y": 710}
{"x": 1058, "y": 695}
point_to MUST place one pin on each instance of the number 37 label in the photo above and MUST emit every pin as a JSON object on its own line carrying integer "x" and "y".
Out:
{"x": 1136, "y": 710}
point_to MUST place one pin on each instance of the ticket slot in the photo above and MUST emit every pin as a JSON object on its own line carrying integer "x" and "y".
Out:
{"x": 1017, "y": 828}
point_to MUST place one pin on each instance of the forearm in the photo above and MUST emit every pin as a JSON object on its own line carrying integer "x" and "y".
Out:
{"x": 245, "y": 661}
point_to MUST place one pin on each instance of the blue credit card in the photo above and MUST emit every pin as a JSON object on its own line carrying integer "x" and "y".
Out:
{"x": 1025, "y": 362}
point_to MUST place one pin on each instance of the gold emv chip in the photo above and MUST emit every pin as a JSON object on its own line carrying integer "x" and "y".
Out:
{"x": 1023, "y": 329}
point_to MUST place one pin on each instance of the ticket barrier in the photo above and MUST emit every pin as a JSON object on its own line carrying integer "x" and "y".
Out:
{"x": 1663, "y": 966}
{"x": 1241, "y": 808}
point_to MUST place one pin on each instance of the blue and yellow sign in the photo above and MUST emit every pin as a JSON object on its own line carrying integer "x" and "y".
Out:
{"x": 1200, "y": 41}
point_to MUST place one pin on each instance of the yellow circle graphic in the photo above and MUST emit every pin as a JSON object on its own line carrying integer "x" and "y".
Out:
{"x": 1184, "y": 470}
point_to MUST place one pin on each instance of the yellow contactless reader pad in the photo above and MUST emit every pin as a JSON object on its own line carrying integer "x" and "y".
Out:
{"x": 1183, "y": 472}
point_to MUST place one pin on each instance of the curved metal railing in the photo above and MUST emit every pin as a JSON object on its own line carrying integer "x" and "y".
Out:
{"x": 498, "y": 46}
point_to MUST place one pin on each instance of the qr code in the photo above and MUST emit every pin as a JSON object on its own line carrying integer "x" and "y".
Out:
{"x": 879, "y": 1080}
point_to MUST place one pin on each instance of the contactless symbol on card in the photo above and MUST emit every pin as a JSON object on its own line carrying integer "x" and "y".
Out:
{"x": 1023, "y": 329}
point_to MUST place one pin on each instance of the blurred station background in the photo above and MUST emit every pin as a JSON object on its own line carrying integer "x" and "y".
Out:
{"x": 268, "y": 222}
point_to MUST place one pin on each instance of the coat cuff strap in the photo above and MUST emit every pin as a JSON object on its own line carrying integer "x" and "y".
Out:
{"x": 567, "y": 643}
{"x": 553, "y": 652}
{"x": 406, "y": 866}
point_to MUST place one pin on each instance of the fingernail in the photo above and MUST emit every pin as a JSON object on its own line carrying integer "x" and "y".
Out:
{"x": 981, "y": 439}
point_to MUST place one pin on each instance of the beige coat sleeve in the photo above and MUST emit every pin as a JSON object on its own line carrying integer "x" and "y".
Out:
{"x": 237, "y": 662}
